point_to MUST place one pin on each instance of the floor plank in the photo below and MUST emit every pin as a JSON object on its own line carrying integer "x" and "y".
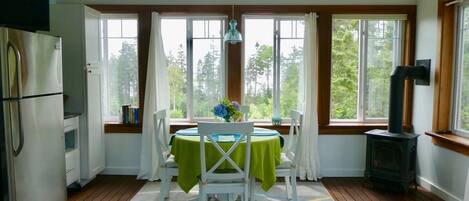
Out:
{"x": 107, "y": 188}
{"x": 345, "y": 189}
{"x": 123, "y": 188}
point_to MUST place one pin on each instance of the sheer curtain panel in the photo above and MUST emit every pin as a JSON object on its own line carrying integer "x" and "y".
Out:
{"x": 156, "y": 98}
{"x": 308, "y": 167}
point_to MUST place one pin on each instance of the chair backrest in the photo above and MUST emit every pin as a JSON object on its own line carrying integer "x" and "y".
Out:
{"x": 206, "y": 129}
{"x": 294, "y": 136}
{"x": 161, "y": 135}
{"x": 244, "y": 109}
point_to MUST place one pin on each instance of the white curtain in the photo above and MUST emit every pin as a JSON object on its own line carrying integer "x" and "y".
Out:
{"x": 309, "y": 161}
{"x": 156, "y": 98}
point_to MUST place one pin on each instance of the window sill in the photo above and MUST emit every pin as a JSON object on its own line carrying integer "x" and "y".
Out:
{"x": 117, "y": 127}
{"x": 349, "y": 128}
{"x": 450, "y": 141}
{"x": 331, "y": 129}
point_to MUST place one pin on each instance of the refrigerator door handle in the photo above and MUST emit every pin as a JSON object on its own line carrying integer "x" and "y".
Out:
{"x": 17, "y": 151}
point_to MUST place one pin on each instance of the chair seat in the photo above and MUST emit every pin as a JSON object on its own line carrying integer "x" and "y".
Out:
{"x": 285, "y": 161}
{"x": 170, "y": 162}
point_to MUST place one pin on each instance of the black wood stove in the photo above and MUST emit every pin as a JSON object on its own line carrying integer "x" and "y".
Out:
{"x": 391, "y": 157}
{"x": 391, "y": 154}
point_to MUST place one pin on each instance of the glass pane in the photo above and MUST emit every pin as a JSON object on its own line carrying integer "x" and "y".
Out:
{"x": 214, "y": 28}
{"x": 300, "y": 29}
{"x": 258, "y": 65}
{"x": 129, "y": 28}
{"x": 208, "y": 76}
{"x": 380, "y": 54}
{"x": 174, "y": 36}
{"x": 114, "y": 28}
{"x": 198, "y": 29}
{"x": 291, "y": 66}
{"x": 344, "y": 81}
{"x": 286, "y": 28}
{"x": 122, "y": 75}
{"x": 462, "y": 122}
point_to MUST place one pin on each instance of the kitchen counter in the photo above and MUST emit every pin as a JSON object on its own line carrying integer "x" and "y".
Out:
{"x": 68, "y": 115}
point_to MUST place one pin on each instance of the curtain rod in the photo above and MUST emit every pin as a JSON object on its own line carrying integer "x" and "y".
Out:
{"x": 453, "y": 2}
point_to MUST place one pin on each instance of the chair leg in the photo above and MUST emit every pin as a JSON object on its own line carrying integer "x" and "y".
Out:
{"x": 252, "y": 189}
{"x": 293, "y": 185}
{"x": 163, "y": 187}
{"x": 168, "y": 187}
{"x": 202, "y": 193}
{"x": 287, "y": 187}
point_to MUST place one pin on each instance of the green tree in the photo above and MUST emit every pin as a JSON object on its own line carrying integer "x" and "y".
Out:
{"x": 123, "y": 78}
{"x": 208, "y": 83}
{"x": 344, "y": 81}
{"x": 258, "y": 82}
{"x": 177, "y": 83}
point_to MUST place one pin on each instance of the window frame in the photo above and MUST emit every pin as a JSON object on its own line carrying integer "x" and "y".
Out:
{"x": 189, "y": 61}
{"x": 363, "y": 62}
{"x": 276, "y": 58}
{"x": 104, "y": 39}
{"x": 457, "y": 71}
{"x": 234, "y": 60}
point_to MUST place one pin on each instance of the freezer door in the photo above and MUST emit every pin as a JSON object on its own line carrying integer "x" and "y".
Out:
{"x": 39, "y": 163}
{"x": 34, "y": 64}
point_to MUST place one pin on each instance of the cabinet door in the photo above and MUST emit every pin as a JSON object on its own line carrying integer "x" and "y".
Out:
{"x": 95, "y": 121}
{"x": 92, "y": 37}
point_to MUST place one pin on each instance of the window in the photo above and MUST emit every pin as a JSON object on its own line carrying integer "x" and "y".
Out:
{"x": 120, "y": 64}
{"x": 195, "y": 54}
{"x": 364, "y": 53}
{"x": 461, "y": 76}
{"x": 273, "y": 61}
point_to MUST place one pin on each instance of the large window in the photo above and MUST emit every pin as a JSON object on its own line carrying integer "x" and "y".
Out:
{"x": 273, "y": 61}
{"x": 120, "y": 64}
{"x": 364, "y": 53}
{"x": 461, "y": 77}
{"x": 195, "y": 55}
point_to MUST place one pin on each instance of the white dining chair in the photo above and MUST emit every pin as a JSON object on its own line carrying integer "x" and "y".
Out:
{"x": 244, "y": 109}
{"x": 289, "y": 158}
{"x": 237, "y": 182}
{"x": 168, "y": 167}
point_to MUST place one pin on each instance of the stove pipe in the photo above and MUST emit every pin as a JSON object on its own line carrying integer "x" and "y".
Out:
{"x": 396, "y": 97}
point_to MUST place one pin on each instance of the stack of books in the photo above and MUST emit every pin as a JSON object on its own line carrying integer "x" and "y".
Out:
{"x": 130, "y": 114}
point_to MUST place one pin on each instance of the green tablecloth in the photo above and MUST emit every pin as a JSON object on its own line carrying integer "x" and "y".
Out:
{"x": 265, "y": 156}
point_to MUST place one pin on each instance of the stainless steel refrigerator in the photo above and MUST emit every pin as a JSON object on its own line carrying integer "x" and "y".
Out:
{"x": 32, "y": 157}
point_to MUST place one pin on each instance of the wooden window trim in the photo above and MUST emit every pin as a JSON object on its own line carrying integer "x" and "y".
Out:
{"x": 234, "y": 91}
{"x": 441, "y": 129}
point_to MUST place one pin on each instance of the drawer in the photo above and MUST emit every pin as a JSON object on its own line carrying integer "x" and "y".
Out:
{"x": 73, "y": 176}
{"x": 72, "y": 161}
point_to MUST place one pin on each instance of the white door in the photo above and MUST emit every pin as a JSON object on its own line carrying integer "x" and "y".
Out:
{"x": 93, "y": 68}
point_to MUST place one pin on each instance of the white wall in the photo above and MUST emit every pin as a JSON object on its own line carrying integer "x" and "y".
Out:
{"x": 241, "y": 2}
{"x": 340, "y": 155}
{"x": 441, "y": 170}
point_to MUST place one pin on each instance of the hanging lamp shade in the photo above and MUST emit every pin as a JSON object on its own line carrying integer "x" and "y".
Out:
{"x": 233, "y": 36}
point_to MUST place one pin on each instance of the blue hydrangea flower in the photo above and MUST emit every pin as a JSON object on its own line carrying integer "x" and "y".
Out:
{"x": 220, "y": 110}
{"x": 235, "y": 104}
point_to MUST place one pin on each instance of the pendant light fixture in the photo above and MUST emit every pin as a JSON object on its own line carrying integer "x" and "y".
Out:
{"x": 233, "y": 36}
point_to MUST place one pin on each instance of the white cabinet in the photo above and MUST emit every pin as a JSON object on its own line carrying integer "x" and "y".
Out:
{"x": 78, "y": 26}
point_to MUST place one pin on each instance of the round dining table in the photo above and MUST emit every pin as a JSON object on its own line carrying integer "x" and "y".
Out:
{"x": 266, "y": 146}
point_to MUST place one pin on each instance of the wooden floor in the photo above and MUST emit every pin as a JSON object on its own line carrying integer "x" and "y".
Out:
{"x": 342, "y": 189}
{"x": 352, "y": 189}
{"x": 118, "y": 188}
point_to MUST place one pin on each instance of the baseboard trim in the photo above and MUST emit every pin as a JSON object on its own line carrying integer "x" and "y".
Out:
{"x": 333, "y": 172}
{"x": 120, "y": 171}
{"x": 442, "y": 193}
